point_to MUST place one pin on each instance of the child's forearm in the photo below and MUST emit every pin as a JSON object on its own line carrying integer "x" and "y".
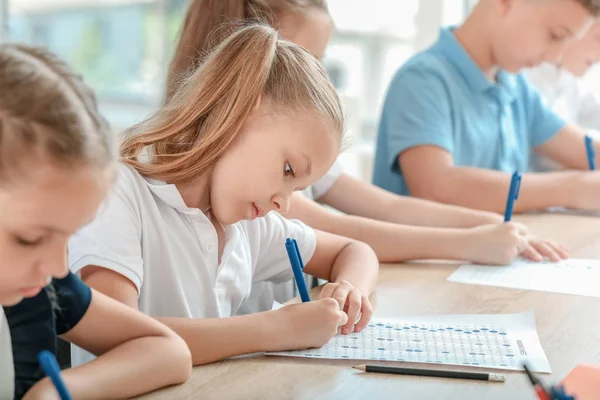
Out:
{"x": 396, "y": 243}
{"x": 391, "y": 242}
{"x": 488, "y": 190}
{"x": 133, "y": 368}
{"x": 420, "y": 212}
{"x": 214, "y": 339}
{"x": 355, "y": 197}
{"x": 357, "y": 264}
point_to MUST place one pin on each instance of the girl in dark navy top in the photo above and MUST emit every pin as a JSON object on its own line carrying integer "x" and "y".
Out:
{"x": 55, "y": 170}
{"x": 36, "y": 322}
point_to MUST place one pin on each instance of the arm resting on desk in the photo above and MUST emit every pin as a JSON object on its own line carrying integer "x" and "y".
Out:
{"x": 430, "y": 173}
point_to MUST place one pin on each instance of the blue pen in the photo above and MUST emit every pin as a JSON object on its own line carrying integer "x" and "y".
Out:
{"x": 298, "y": 254}
{"x": 52, "y": 370}
{"x": 513, "y": 194}
{"x": 296, "y": 261}
{"x": 591, "y": 152}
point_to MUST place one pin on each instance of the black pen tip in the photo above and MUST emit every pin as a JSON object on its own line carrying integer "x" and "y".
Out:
{"x": 532, "y": 378}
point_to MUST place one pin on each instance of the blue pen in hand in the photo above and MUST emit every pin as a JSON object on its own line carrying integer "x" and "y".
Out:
{"x": 294, "y": 255}
{"x": 52, "y": 370}
{"x": 513, "y": 194}
{"x": 298, "y": 254}
{"x": 591, "y": 152}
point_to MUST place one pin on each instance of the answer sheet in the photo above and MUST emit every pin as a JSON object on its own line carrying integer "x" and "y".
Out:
{"x": 502, "y": 341}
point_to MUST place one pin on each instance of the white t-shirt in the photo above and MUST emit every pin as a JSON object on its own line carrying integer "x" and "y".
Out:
{"x": 265, "y": 293}
{"x": 570, "y": 97}
{"x": 7, "y": 371}
{"x": 145, "y": 232}
{"x": 574, "y": 99}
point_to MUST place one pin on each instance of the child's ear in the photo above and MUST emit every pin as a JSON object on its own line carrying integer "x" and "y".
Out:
{"x": 258, "y": 103}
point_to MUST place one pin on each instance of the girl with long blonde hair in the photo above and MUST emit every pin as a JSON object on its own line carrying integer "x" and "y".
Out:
{"x": 187, "y": 228}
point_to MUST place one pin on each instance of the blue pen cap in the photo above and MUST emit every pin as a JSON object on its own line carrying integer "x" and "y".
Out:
{"x": 518, "y": 188}
{"x": 298, "y": 253}
{"x": 513, "y": 194}
{"x": 591, "y": 152}
{"x": 51, "y": 368}
{"x": 294, "y": 255}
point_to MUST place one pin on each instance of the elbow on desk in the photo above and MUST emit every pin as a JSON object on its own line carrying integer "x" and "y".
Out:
{"x": 181, "y": 359}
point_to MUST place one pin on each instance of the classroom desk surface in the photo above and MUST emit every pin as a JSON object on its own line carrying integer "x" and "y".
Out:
{"x": 567, "y": 325}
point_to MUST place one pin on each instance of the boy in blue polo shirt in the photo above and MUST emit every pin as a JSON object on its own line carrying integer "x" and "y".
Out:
{"x": 457, "y": 121}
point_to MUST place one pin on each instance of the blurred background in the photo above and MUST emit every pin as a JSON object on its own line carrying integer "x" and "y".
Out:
{"x": 123, "y": 48}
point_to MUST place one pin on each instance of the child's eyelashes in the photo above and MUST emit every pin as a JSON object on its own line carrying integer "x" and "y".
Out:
{"x": 555, "y": 37}
{"x": 29, "y": 242}
{"x": 288, "y": 170}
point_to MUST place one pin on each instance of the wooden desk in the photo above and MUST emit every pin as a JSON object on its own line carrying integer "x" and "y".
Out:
{"x": 568, "y": 327}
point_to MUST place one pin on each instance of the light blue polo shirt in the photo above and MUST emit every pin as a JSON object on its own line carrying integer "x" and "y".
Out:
{"x": 440, "y": 97}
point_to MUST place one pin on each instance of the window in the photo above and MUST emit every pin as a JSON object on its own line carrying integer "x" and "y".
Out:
{"x": 123, "y": 47}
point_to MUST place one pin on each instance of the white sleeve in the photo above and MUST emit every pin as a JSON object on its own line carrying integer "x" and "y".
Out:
{"x": 113, "y": 239}
{"x": 324, "y": 184}
{"x": 588, "y": 114}
{"x": 7, "y": 377}
{"x": 267, "y": 237}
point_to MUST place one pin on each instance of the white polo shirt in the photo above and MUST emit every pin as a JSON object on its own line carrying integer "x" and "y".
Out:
{"x": 264, "y": 293}
{"x": 7, "y": 375}
{"x": 145, "y": 232}
{"x": 574, "y": 99}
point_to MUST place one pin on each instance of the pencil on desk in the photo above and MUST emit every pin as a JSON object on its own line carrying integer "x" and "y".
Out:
{"x": 540, "y": 390}
{"x": 432, "y": 373}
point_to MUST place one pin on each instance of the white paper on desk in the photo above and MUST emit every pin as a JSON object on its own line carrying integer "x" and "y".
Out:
{"x": 572, "y": 276}
{"x": 502, "y": 341}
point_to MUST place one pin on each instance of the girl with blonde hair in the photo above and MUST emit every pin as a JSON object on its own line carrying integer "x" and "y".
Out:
{"x": 187, "y": 228}
{"x": 56, "y": 166}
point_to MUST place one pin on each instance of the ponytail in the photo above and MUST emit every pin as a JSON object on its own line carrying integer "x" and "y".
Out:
{"x": 202, "y": 18}
{"x": 202, "y": 29}
{"x": 205, "y": 116}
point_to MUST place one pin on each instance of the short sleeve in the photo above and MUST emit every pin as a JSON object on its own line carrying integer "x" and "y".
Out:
{"x": 588, "y": 115}
{"x": 324, "y": 184}
{"x": 36, "y": 321}
{"x": 543, "y": 122}
{"x": 267, "y": 237}
{"x": 113, "y": 239}
{"x": 416, "y": 112}
{"x": 72, "y": 298}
